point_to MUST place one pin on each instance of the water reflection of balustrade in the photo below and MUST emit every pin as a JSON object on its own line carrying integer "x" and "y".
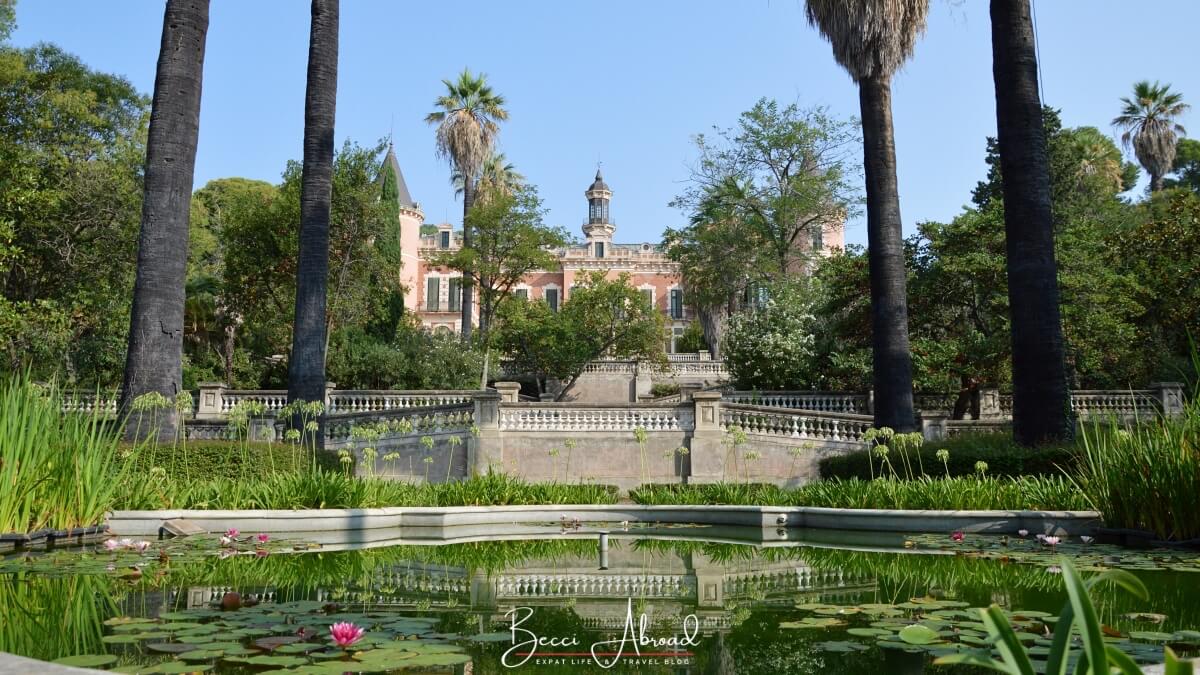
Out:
{"x": 785, "y": 580}
{"x": 595, "y": 585}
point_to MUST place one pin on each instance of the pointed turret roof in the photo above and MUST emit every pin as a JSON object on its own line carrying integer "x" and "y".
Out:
{"x": 599, "y": 183}
{"x": 402, "y": 195}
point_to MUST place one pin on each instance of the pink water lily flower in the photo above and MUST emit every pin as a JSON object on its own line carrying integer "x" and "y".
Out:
{"x": 140, "y": 546}
{"x": 262, "y": 538}
{"x": 1050, "y": 541}
{"x": 232, "y": 533}
{"x": 1023, "y": 533}
{"x": 345, "y": 633}
{"x": 226, "y": 541}
{"x": 125, "y": 543}
{"x": 957, "y": 536}
{"x": 112, "y": 544}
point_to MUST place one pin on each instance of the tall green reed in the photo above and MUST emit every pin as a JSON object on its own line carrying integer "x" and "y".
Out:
{"x": 57, "y": 470}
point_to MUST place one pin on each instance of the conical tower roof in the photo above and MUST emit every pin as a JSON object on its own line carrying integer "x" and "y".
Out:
{"x": 599, "y": 183}
{"x": 390, "y": 162}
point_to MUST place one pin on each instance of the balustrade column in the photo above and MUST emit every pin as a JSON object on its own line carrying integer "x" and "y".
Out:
{"x": 209, "y": 406}
{"x": 1169, "y": 396}
{"x": 705, "y": 459}
{"x": 933, "y": 425}
{"x": 486, "y": 448}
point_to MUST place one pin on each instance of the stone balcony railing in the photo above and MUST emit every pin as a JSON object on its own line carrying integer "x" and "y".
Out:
{"x": 1129, "y": 405}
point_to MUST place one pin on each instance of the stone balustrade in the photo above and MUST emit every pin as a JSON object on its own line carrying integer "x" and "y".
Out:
{"x": 1136, "y": 404}
{"x": 1128, "y": 405}
{"x": 766, "y": 421}
{"x": 354, "y": 401}
{"x": 559, "y": 417}
{"x": 459, "y": 418}
{"x": 820, "y": 401}
{"x": 89, "y": 402}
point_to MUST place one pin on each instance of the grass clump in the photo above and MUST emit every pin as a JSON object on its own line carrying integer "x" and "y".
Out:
{"x": 56, "y": 471}
{"x": 1051, "y": 493}
{"x": 318, "y": 488}
{"x": 1146, "y": 477}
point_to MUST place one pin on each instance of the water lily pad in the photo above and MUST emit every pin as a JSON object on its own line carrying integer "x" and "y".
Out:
{"x": 869, "y": 632}
{"x": 840, "y": 646}
{"x": 918, "y": 634}
{"x": 170, "y": 647}
{"x": 86, "y": 660}
{"x": 119, "y": 639}
{"x": 202, "y": 655}
{"x": 1150, "y": 636}
{"x": 178, "y": 668}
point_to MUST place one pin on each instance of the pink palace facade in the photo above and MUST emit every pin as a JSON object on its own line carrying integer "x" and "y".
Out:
{"x": 434, "y": 291}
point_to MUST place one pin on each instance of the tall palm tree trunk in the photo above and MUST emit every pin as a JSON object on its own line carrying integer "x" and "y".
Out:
{"x": 468, "y": 296}
{"x": 885, "y": 255}
{"x": 306, "y": 369}
{"x": 153, "y": 362}
{"x": 1041, "y": 401}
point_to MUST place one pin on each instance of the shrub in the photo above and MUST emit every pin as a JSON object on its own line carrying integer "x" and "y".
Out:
{"x": 660, "y": 389}
{"x": 231, "y": 459}
{"x": 1004, "y": 457}
{"x": 772, "y": 346}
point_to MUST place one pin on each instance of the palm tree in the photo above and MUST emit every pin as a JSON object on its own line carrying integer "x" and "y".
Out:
{"x": 497, "y": 176}
{"x": 1041, "y": 400}
{"x": 1149, "y": 122}
{"x": 306, "y": 367}
{"x": 467, "y": 120}
{"x": 154, "y": 360}
{"x": 871, "y": 39}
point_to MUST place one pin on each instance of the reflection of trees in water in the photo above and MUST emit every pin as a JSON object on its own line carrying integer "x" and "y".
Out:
{"x": 51, "y": 617}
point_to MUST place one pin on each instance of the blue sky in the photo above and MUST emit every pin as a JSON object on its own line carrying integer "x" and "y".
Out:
{"x": 626, "y": 82}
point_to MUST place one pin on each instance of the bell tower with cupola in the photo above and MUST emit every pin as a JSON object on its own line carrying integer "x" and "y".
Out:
{"x": 598, "y": 229}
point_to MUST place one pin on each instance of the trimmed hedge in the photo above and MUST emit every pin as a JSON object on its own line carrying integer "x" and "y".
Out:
{"x": 202, "y": 460}
{"x": 1002, "y": 455}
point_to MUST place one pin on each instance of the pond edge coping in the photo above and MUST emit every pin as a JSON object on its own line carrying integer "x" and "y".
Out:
{"x": 1069, "y": 523}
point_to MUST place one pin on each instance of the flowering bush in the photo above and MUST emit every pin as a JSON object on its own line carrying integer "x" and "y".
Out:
{"x": 773, "y": 346}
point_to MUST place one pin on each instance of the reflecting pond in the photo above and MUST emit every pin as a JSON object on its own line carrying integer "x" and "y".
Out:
{"x": 679, "y": 599}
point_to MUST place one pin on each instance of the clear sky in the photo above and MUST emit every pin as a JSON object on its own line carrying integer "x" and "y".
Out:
{"x": 626, "y": 82}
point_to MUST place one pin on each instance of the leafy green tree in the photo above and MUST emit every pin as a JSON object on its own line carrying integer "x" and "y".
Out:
{"x": 259, "y": 252}
{"x": 692, "y": 341}
{"x": 1149, "y": 119}
{"x": 411, "y": 358}
{"x": 761, "y": 196}
{"x": 871, "y": 39}
{"x": 467, "y": 120}
{"x": 72, "y": 148}
{"x": 1187, "y": 166}
{"x": 510, "y": 240}
{"x": 601, "y": 318}
{"x": 772, "y": 346}
{"x": 1167, "y": 272}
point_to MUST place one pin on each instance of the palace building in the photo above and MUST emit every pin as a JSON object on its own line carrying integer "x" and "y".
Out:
{"x": 435, "y": 291}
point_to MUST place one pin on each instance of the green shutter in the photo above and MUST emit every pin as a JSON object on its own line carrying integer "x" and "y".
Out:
{"x": 432, "y": 290}
{"x": 455, "y": 294}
